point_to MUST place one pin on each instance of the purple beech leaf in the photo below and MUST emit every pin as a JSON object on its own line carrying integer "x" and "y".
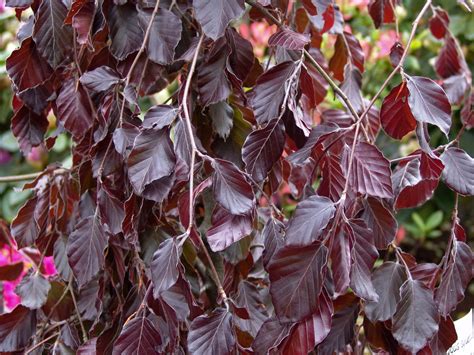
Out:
{"x": 429, "y": 103}
{"x": 215, "y": 15}
{"x": 33, "y": 290}
{"x": 269, "y": 91}
{"x": 82, "y": 22}
{"x": 111, "y": 210}
{"x": 364, "y": 255}
{"x": 26, "y": 68}
{"x": 164, "y": 36}
{"x": 272, "y": 236}
{"x": 459, "y": 170}
{"x": 439, "y": 23}
{"x": 213, "y": 84}
{"x": 164, "y": 266}
{"x": 28, "y": 128}
{"x": 382, "y": 11}
{"x": 212, "y": 334}
{"x": 241, "y": 58}
{"x": 18, "y": 3}
{"x": 16, "y": 329}
{"x": 387, "y": 280}
{"x": 227, "y": 229}
{"x": 88, "y": 303}
{"x": 381, "y": 221}
{"x": 52, "y": 38}
{"x": 249, "y": 297}
{"x": 370, "y": 173}
{"x": 396, "y": 53}
{"x": 333, "y": 177}
{"x": 222, "y": 116}
{"x": 288, "y": 39}
{"x": 341, "y": 251}
{"x": 395, "y": 114}
{"x": 342, "y": 330}
{"x": 138, "y": 336}
{"x": 100, "y": 79}
{"x": 296, "y": 280}
{"x": 231, "y": 189}
{"x": 455, "y": 277}
{"x": 85, "y": 249}
{"x": 416, "y": 318}
{"x": 74, "y": 110}
{"x": 312, "y": 331}
{"x": 160, "y": 116}
{"x": 271, "y": 334}
{"x": 24, "y": 228}
{"x": 125, "y": 32}
{"x": 124, "y": 137}
{"x": 445, "y": 338}
{"x": 262, "y": 149}
{"x": 311, "y": 217}
{"x": 448, "y": 62}
{"x": 352, "y": 85}
{"x": 152, "y": 158}
{"x": 316, "y": 138}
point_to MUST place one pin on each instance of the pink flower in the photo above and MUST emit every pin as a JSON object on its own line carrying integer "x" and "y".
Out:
{"x": 386, "y": 41}
{"x": 258, "y": 34}
{"x": 48, "y": 266}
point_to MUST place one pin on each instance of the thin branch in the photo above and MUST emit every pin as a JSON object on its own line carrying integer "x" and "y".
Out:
{"x": 36, "y": 346}
{"x": 83, "y": 329}
{"x": 399, "y": 67}
{"x": 32, "y": 176}
{"x": 194, "y": 151}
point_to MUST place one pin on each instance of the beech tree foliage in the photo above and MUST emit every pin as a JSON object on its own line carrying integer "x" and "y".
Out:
{"x": 167, "y": 231}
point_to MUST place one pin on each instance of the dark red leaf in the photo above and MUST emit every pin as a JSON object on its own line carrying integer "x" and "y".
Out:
{"x": 364, "y": 255}
{"x": 459, "y": 170}
{"x": 82, "y": 22}
{"x": 100, "y": 79}
{"x": 74, "y": 110}
{"x": 231, "y": 188}
{"x": 24, "y": 228}
{"x": 16, "y": 329}
{"x": 10, "y": 272}
{"x": 160, "y": 116}
{"x": 370, "y": 173}
{"x": 396, "y": 53}
{"x": 269, "y": 91}
{"x": 387, "y": 280}
{"x": 164, "y": 266}
{"x": 381, "y": 221}
{"x": 445, "y": 337}
{"x": 296, "y": 276}
{"x": 312, "y": 215}
{"x": 448, "y": 62}
{"x": 429, "y": 103}
{"x": 53, "y": 39}
{"x": 381, "y": 11}
{"x": 341, "y": 251}
{"x": 212, "y": 79}
{"x": 28, "y": 128}
{"x": 215, "y": 15}
{"x": 351, "y": 87}
{"x": 138, "y": 336}
{"x": 85, "y": 249}
{"x": 288, "y": 39}
{"x": 416, "y": 318}
{"x": 249, "y": 297}
{"x": 227, "y": 229}
{"x": 356, "y": 51}
{"x": 262, "y": 148}
{"x": 333, "y": 177}
{"x": 222, "y": 116}
{"x": 241, "y": 58}
{"x": 395, "y": 114}
{"x": 26, "y": 68}
{"x": 439, "y": 23}
{"x": 272, "y": 333}
{"x": 213, "y": 334}
{"x": 342, "y": 331}
{"x": 111, "y": 210}
{"x": 18, "y": 3}
{"x": 164, "y": 36}
{"x": 272, "y": 235}
{"x": 455, "y": 277}
{"x": 151, "y": 159}
{"x": 33, "y": 290}
{"x": 125, "y": 33}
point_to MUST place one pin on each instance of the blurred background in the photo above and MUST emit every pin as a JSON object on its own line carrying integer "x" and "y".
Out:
{"x": 423, "y": 232}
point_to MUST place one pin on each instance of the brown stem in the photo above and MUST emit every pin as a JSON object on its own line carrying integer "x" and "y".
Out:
{"x": 83, "y": 329}
{"x": 45, "y": 340}
{"x": 194, "y": 151}
{"x": 32, "y": 176}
